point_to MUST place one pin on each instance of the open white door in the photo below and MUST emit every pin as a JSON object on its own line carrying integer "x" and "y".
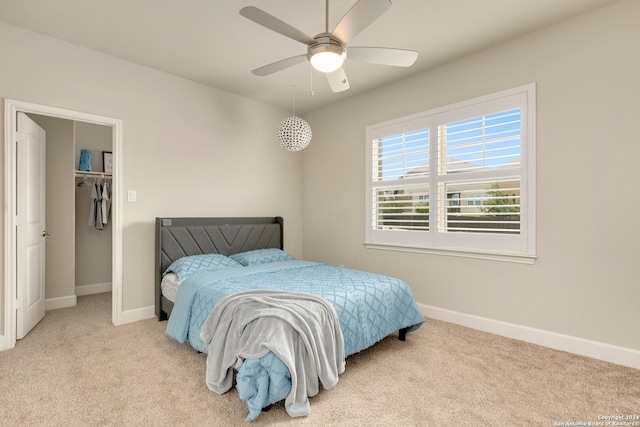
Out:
{"x": 30, "y": 224}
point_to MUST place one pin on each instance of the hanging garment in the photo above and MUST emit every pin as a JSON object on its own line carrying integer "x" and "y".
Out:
{"x": 106, "y": 201}
{"x": 95, "y": 215}
{"x": 92, "y": 211}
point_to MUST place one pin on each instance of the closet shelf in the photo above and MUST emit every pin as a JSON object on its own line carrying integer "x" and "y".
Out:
{"x": 82, "y": 174}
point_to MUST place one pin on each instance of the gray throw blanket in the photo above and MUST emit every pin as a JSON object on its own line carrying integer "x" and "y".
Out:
{"x": 301, "y": 329}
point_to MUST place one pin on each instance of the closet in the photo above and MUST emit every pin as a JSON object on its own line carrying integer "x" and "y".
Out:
{"x": 78, "y": 257}
{"x": 93, "y": 243}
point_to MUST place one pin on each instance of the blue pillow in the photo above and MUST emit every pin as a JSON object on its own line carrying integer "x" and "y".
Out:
{"x": 189, "y": 265}
{"x": 261, "y": 256}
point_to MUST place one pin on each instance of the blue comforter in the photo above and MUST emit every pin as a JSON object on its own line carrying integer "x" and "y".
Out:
{"x": 370, "y": 306}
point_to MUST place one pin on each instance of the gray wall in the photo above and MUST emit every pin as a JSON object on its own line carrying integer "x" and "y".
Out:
{"x": 585, "y": 282}
{"x": 188, "y": 149}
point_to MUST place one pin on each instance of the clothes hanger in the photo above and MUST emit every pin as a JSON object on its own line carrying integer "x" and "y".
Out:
{"x": 84, "y": 182}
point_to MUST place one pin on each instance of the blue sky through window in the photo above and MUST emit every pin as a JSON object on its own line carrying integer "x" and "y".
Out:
{"x": 489, "y": 141}
{"x": 403, "y": 154}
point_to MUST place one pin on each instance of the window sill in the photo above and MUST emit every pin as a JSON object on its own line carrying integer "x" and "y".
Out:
{"x": 517, "y": 258}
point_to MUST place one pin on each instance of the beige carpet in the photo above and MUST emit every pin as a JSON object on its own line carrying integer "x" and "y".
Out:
{"x": 76, "y": 369}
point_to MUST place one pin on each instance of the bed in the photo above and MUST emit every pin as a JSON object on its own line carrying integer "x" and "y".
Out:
{"x": 215, "y": 277}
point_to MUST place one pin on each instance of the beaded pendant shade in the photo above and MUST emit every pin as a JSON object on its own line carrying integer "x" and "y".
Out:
{"x": 293, "y": 133}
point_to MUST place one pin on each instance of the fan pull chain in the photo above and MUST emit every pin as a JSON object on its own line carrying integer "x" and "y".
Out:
{"x": 310, "y": 80}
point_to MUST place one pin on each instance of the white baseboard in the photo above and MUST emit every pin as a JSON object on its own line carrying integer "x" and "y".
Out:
{"x": 143, "y": 313}
{"x": 96, "y": 288}
{"x": 594, "y": 349}
{"x": 62, "y": 302}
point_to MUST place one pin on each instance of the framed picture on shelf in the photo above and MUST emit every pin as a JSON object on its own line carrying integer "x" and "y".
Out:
{"x": 107, "y": 161}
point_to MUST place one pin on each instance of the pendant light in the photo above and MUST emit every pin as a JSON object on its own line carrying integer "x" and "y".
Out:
{"x": 293, "y": 133}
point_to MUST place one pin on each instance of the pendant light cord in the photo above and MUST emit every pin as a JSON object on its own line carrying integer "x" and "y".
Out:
{"x": 293, "y": 93}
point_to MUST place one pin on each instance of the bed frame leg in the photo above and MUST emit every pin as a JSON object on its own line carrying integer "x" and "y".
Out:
{"x": 402, "y": 334}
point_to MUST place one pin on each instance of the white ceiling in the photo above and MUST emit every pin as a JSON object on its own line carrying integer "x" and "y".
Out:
{"x": 209, "y": 42}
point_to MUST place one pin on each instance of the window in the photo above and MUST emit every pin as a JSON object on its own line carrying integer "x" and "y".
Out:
{"x": 459, "y": 179}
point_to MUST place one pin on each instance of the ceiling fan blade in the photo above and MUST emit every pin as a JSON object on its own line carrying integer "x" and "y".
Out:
{"x": 338, "y": 81}
{"x": 383, "y": 55}
{"x": 279, "y": 65}
{"x": 274, "y": 24}
{"x": 359, "y": 17}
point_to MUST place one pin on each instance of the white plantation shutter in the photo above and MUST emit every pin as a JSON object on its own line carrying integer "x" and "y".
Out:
{"x": 401, "y": 187}
{"x": 401, "y": 207}
{"x": 401, "y": 156}
{"x": 459, "y": 178}
{"x": 475, "y": 154}
{"x": 482, "y": 142}
{"x": 498, "y": 211}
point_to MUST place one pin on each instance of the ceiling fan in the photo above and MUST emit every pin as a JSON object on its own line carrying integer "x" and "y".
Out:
{"x": 327, "y": 51}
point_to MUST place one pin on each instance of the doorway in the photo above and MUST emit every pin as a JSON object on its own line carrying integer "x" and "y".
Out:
{"x": 12, "y": 108}
{"x": 70, "y": 208}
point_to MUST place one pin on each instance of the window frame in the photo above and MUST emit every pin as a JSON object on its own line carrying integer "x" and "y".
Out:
{"x": 502, "y": 247}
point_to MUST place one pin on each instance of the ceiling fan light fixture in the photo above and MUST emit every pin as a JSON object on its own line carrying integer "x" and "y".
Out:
{"x": 327, "y": 55}
{"x": 327, "y": 62}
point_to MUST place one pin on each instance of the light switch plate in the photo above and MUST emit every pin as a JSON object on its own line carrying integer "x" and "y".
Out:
{"x": 131, "y": 195}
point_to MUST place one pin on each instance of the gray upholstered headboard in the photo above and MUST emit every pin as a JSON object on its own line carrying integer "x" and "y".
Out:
{"x": 178, "y": 237}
